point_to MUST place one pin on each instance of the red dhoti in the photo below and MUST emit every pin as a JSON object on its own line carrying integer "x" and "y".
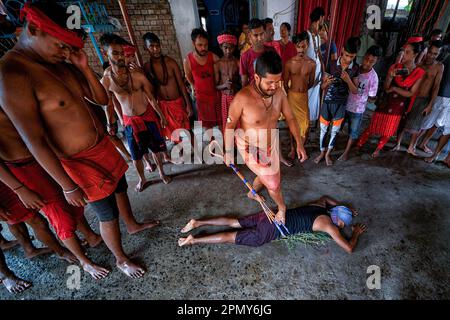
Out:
{"x": 177, "y": 118}
{"x": 14, "y": 208}
{"x": 208, "y": 110}
{"x": 96, "y": 170}
{"x": 226, "y": 101}
{"x": 62, "y": 216}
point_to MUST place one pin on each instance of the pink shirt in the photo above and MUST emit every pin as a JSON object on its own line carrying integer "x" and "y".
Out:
{"x": 368, "y": 87}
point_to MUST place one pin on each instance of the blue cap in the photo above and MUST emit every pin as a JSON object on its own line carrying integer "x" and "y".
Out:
{"x": 341, "y": 213}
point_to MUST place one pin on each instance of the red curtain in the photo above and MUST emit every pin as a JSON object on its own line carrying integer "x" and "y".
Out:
{"x": 305, "y": 7}
{"x": 348, "y": 20}
{"x": 348, "y": 17}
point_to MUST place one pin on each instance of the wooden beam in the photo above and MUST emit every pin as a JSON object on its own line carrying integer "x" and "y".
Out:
{"x": 126, "y": 18}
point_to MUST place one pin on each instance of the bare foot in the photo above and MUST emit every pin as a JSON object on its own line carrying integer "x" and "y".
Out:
{"x": 94, "y": 241}
{"x": 425, "y": 149}
{"x": 6, "y": 244}
{"x": 343, "y": 157}
{"x": 37, "y": 252}
{"x": 376, "y": 154}
{"x": 138, "y": 227}
{"x": 412, "y": 152}
{"x": 150, "y": 167}
{"x": 96, "y": 271}
{"x": 186, "y": 241}
{"x": 166, "y": 179}
{"x": 430, "y": 159}
{"x": 396, "y": 148}
{"x": 140, "y": 186}
{"x": 286, "y": 162}
{"x": 319, "y": 158}
{"x": 16, "y": 285}
{"x": 190, "y": 226}
{"x": 68, "y": 256}
{"x": 328, "y": 160}
{"x": 131, "y": 269}
{"x": 256, "y": 198}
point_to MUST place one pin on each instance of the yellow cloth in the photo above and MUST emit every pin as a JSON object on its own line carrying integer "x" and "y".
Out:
{"x": 299, "y": 106}
{"x": 241, "y": 41}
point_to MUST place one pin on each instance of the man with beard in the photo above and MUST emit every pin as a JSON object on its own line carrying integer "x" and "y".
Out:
{"x": 56, "y": 123}
{"x": 199, "y": 71}
{"x": 133, "y": 92}
{"x": 424, "y": 102}
{"x": 165, "y": 75}
{"x": 257, "y": 108}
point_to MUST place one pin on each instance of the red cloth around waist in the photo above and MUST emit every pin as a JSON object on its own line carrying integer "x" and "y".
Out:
{"x": 96, "y": 170}
{"x": 137, "y": 123}
{"x": 34, "y": 177}
{"x": 176, "y": 116}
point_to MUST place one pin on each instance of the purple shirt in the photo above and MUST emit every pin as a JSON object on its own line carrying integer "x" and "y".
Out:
{"x": 368, "y": 87}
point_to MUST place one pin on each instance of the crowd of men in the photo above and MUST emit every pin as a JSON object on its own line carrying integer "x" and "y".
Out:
{"x": 59, "y": 125}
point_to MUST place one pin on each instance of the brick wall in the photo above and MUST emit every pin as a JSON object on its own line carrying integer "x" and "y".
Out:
{"x": 146, "y": 16}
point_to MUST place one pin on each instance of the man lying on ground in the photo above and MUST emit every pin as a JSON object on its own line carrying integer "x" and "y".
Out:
{"x": 324, "y": 215}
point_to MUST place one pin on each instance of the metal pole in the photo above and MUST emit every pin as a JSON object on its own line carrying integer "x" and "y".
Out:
{"x": 126, "y": 18}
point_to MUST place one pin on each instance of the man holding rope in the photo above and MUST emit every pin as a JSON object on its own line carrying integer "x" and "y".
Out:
{"x": 257, "y": 108}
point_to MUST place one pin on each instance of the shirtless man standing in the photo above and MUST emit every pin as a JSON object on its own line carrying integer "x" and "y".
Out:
{"x": 55, "y": 121}
{"x": 133, "y": 91}
{"x": 426, "y": 97}
{"x": 257, "y": 108}
{"x": 165, "y": 76}
{"x": 300, "y": 73}
{"x": 226, "y": 72}
{"x": 30, "y": 183}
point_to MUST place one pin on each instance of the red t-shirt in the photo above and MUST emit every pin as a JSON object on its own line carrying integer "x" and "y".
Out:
{"x": 288, "y": 51}
{"x": 247, "y": 62}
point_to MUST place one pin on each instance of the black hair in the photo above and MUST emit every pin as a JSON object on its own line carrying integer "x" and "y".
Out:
{"x": 287, "y": 25}
{"x": 352, "y": 45}
{"x": 417, "y": 47}
{"x": 54, "y": 11}
{"x": 436, "y": 32}
{"x": 316, "y": 14}
{"x": 375, "y": 51}
{"x": 255, "y": 24}
{"x": 299, "y": 37}
{"x": 268, "y": 62}
{"x": 267, "y": 21}
{"x": 437, "y": 43}
{"x": 107, "y": 39}
{"x": 150, "y": 37}
{"x": 198, "y": 32}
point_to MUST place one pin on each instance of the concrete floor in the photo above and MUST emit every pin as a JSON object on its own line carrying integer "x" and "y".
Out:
{"x": 404, "y": 202}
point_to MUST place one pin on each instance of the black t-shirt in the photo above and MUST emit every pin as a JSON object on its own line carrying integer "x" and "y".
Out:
{"x": 301, "y": 219}
{"x": 338, "y": 91}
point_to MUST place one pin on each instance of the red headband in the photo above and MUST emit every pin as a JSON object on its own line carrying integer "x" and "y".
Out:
{"x": 414, "y": 39}
{"x": 40, "y": 20}
{"x": 227, "y": 38}
{"x": 128, "y": 50}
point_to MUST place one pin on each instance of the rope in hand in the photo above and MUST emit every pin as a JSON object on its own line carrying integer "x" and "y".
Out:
{"x": 269, "y": 213}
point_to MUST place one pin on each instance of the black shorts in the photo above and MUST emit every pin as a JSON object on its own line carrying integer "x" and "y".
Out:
{"x": 257, "y": 230}
{"x": 106, "y": 209}
{"x": 333, "y": 111}
{"x": 148, "y": 139}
